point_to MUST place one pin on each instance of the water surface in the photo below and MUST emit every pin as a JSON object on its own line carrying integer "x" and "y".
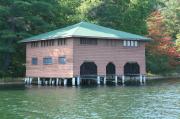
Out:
{"x": 156, "y": 100}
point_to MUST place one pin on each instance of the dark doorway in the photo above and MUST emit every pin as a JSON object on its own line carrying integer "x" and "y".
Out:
{"x": 131, "y": 69}
{"x": 110, "y": 73}
{"x": 88, "y": 72}
{"x": 110, "y": 69}
{"x": 88, "y": 68}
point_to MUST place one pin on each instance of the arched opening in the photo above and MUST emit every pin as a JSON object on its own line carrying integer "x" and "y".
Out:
{"x": 110, "y": 69}
{"x": 131, "y": 69}
{"x": 88, "y": 72}
{"x": 110, "y": 73}
{"x": 88, "y": 68}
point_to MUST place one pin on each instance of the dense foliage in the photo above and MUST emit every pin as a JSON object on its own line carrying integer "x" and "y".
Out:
{"x": 23, "y": 18}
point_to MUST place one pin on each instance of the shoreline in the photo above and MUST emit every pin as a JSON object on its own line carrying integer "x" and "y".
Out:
{"x": 19, "y": 81}
{"x": 161, "y": 77}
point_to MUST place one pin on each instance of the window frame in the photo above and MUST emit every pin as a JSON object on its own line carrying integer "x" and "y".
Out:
{"x": 61, "y": 41}
{"x": 88, "y": 41}
{"x": 34, "y": 61}
{"x": 46, "y": 62}
{"x": 130, "y": 43}
{"x": 62, "y": 58}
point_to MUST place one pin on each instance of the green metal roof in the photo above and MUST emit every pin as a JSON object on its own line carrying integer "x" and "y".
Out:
{"x": 88, "y": 30}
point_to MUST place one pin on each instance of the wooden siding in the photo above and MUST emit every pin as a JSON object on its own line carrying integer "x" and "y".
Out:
{"x": 103, "y": 53}
{"x": 106, "y": 52}
{"x": 55, "y": 69}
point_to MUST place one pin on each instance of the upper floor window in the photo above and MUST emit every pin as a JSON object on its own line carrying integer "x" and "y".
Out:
{"x": 111, "y": 42}
{"x": 34, "y": 44}
{"x": 130, "y": 43}
{"x": 62, "y": 41}
{"x": 88, "y": 41}
{"x": 47, "y": 60}
{"x": 34, "y": 61}
{"x": 47, "y": 43}
{"x": 62, "y": 60}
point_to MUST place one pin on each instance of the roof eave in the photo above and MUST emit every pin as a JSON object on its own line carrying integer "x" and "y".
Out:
{"x": 79, "y": 36}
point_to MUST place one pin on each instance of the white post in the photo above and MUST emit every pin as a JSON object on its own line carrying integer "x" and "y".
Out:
{"x": 46, "y": 82}
{"x": 98, "y": 80}
{"x": 123, "y": 79}
{"x": 50, "y": 81}
{"x": 141, "y": 79}
{"x": 53, "y": 82}
{"x": 25, "y": 80}
{"x": 144, "y": 79}
{"x": 73, "y": 81}
{"x": 30, "y": 81}
{"x": 39, "y": 81}
{"x": 57, "y": 81}
{"x": 116, "y": 80}
{"x": 65, "y": 82}
{"x": 78, "y": 80}
{"x": 60, "y": 81}
{"x": 104, "y": 80}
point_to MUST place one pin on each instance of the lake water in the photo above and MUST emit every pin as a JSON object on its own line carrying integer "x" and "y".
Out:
{"x": 157, "y": 100}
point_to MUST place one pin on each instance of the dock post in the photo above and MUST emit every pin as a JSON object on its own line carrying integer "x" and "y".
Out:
{"x": 78, "y": 80}
{"x": 123, "y": 79}
{"x": 73, "y": 81}
{"x": 53, "y": 82}
{"x": 25, "y": 80}
{"x": 144, "y": 79}
{"x": 105, "y": 80}
{"x": 116, "y": 79}
{"x": 50, "y": 80}
{"x": 39, "y": 81}
{"x": 57, "y": 81}
{"x": 60, "y": 82}
{"x": 98, "y": 80}
{"x": 30, "y": 81}
{"x": 65, "y": 82}
{"x": 141, "y": 79}
{"x": 46, "y": 82}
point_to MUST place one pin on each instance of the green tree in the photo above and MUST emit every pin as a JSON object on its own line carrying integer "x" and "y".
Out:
{"x": 170, "y": 10}
{"x": 126, "y": 15}
{"x": 20, "y": 19}
{"x": 178, "y": 42}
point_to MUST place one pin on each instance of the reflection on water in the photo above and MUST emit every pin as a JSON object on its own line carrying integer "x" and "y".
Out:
{"x": 158, "y": 99}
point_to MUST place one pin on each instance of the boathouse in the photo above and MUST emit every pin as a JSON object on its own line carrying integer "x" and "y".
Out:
{"x": 84, "y": 51}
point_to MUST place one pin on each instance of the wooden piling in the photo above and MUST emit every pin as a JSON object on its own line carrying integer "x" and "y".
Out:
{"x": 98, "y": 80}
{"x": 73, "y": 81}
{"x": 78, "y": 80}
{"x": 104, "y": 80}
{"x": 116, "y": 78}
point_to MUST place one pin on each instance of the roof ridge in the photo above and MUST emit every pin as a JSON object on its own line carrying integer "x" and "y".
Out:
{"x": 76, "y": 28}
{"x": 86, "y": 29}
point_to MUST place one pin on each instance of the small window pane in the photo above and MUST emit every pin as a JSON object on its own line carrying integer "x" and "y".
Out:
{"x": 135, "y": 43}
{"x": 62, "y": 60}
{"x": 128, "y": 43}
{"x": 61, "y": 41}
{"x": 34, "y": 61}
{"x": 88, "y": 41}
{"x": 47, "y": 60}
{"x": 132, "y": 43}
{"x": 124, "y": 43}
